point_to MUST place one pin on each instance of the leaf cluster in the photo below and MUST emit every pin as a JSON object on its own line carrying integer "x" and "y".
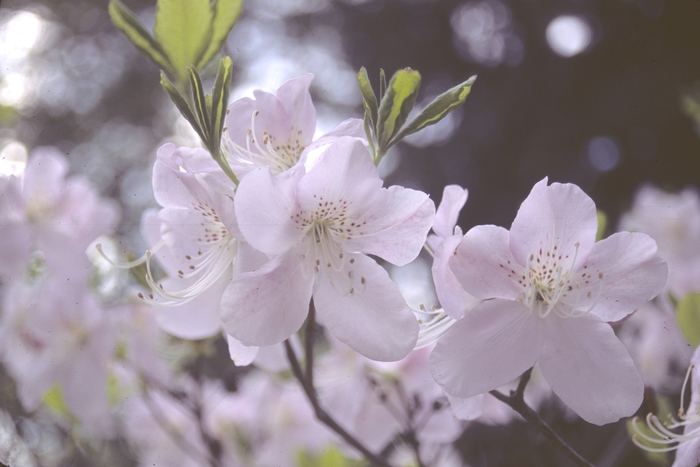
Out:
{"x": 385, "y": 117}
{"x": 187, "y": 36}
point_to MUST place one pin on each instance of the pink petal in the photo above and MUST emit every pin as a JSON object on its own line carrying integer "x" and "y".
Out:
{"x": 397, "y": 225}
{"x": 265, "y": 209}
{"x": 351, "y": 127}
{"x": 633, "y": 274}
{"x": 561, "y": 215}
{"x": 688, "y": 454}
{"x": 296, "y": 99}
{"x": 344, "y": 172}
{"x": 485, "y": 266}
{"x": 453, "y": 199}
{"x": 373, "y": 319}
{"x": 590, "y": 369}
{"x": 492, "y": 345}
{"x": 197, "y": 319}
{"x": 241, "y": 355}
{"x": 267, "y": 306}
{"x": 466, "y": 409}
{"x": 453, "y": 298}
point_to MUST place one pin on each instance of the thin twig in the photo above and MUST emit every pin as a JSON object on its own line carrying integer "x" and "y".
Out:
{"x": 309, "y": 338}
{"x": 321, "y": 414}
{"x": 186, "y": 447}
{"x": 517, "y": 402}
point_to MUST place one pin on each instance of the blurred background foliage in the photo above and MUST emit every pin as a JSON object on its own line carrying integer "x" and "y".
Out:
{"x": 601, "y": 93}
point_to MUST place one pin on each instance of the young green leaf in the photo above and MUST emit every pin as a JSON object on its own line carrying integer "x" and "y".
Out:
{"x": 200, "y": 108}
{"x": 396, "y": 104}
{"x": 688, "y": 317}
{"x": 226, "y": 13}
{"x": 183, "y": 28}
{"x": 436, "y": 110}
{"x": 369, "y": 99}
{"x": 382, "y": 84}
{"x": 127, "y": 22}
{"x": 181, "y": 104}
{"x": 220, "y": 98}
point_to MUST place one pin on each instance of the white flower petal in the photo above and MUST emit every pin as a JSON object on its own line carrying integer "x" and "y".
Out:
{"x": 373, "y": 319}
{"x": 267, "y": 306}
{"x": 590, "y": 369}
{"x": 492, "y": 345}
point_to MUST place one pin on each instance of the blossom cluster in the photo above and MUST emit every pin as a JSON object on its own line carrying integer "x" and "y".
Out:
{"x": 293, "y": 253}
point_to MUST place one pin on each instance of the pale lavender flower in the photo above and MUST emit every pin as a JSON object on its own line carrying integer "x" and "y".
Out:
{"x": 550, "y": 292}
{"x": 277, "y": 131}
{"x": 318, "y": 228}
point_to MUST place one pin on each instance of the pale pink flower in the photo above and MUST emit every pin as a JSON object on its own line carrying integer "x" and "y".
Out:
{"x": 194, "y": 238}
{"x": 53, "y": 333}
{"x": 550, "y": 291}
{"x": 319, "y": 228}
{"x": 673, "y": 220}
{"x": 453, "y": 298}
{"x": 277, "y": 131}
{"x": 48, "y": 212}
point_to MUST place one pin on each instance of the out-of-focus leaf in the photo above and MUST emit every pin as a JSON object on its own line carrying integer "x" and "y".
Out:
{"x": 125, "y": 20}
{"x": 331, "y": 457}
{"x": 664, "y": 409}
{"x": 437, "y": 109}
{"x": 54, "y": 400}
{"x": 688, "y": 316}
{"x": 181, "y": 104}
{"x": 396, "y": 104}
{"x": 183, "y": 28}
{"x": 226, "y": 13}
{"x": 602, "y": 225}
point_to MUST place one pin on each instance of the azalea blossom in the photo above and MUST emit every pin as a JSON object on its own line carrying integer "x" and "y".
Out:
{"x": 194, "y": 238}
{"x": 673, "y": 220}
{"x": 549, "y": 293}
{"x": 277, "y": 131}
{"x": 318, "y": 228}
{"x": 453, "y": 298}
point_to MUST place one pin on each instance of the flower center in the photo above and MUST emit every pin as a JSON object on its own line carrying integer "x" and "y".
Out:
{"x": 327, "y": 229}
{"x": 269, "y": 152}
{"x": 215, "y": 251}
{"x": 550, "y": 284}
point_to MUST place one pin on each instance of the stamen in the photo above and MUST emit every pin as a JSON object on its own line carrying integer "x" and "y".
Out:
{"x": 130, "y": 264}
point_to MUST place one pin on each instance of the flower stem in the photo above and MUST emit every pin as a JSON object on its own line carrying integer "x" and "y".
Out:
{"x": 516, "y": 401}
{"x": 321, "y": 414}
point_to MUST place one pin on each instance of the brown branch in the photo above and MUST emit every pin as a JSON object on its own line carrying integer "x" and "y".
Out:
{"x": 322, "y": 415}
{"x": 517, "y": 402}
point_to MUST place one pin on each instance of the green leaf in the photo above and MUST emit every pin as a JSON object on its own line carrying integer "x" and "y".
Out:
{"x": 369, "y": 99}
{"x": 226, "y": 13}
{"x": 396, "y": 104}
{"x": 181, "y": 104}
{"x": 436, "y": 110}
{"x": 200, "y": 104}
{"x": 688, "y": 316}
{"x": 382, "y": 84}
{"x": 220, "y": 98}
{"x": 127, "y": 22}
{"x": 602, "y": 224}
{"x": 183, "y": 28}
